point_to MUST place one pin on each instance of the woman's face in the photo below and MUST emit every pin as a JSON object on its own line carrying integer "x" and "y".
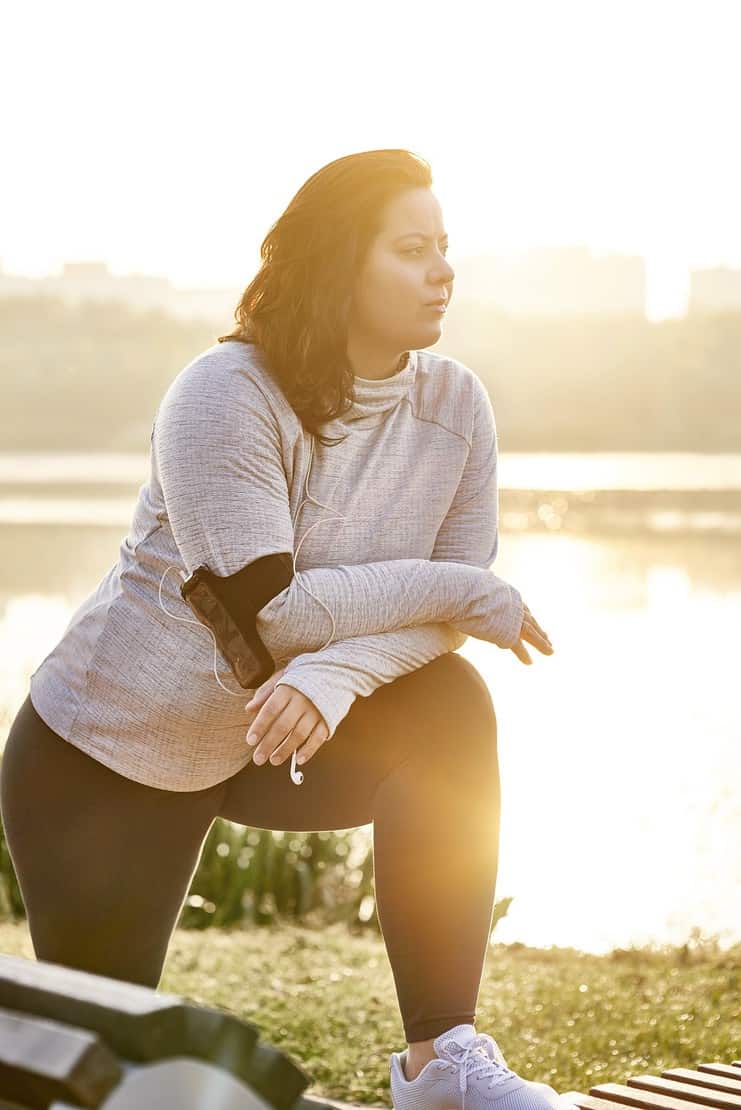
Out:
{"x": 405, "y": 269}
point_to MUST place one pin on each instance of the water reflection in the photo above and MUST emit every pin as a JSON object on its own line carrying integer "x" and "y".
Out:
{"x": 619, "y": 753}
{"x": 615, "y": 493}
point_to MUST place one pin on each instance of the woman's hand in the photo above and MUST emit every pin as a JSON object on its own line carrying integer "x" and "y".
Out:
{"x": 534, "y": 634}
{"x": 278, "y": 713}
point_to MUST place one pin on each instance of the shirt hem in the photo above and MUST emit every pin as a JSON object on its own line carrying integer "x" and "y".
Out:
{"x": 154, "y": 782}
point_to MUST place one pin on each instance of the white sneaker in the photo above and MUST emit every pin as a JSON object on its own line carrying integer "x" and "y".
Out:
{"x": 470, "y": 1073}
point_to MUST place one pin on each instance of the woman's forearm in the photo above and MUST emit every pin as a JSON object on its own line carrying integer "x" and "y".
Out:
{"x": 367, "y": 598}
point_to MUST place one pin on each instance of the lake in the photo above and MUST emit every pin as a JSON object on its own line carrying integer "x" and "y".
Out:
{"x": 620, "y": 754}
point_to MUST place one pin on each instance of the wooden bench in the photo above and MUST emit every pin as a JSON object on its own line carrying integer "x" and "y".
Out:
{"x": 713, "y": 1085}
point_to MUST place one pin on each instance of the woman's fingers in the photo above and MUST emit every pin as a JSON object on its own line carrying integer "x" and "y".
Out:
{"x": 533, "y": 634}
{"x": 306, "y": 739}
{"x": 278, "y": 715}
{"x": 533, "y": 621}
{"x": 298, "y": 734}
{"x": 521, "y": 652}
{"x": 538, "y": 639}
{"x": 286, "y": 720}
{"x": 262, "y": 693}
{"x": 314, "y": 741}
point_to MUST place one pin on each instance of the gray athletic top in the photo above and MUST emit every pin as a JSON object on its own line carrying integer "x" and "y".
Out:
{"x": 392, "y": 533}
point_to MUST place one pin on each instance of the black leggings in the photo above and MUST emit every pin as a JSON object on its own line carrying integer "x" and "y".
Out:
{"x": 105, "y": 863}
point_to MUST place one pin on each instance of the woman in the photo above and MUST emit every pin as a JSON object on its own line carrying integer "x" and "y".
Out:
{"x": 323, "y": 402}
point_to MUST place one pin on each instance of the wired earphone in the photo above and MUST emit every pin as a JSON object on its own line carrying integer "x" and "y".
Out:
{"x": 296, "y": 776}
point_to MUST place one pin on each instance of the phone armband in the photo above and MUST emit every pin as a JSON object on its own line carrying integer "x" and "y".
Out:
{"x": 229, "y": 605}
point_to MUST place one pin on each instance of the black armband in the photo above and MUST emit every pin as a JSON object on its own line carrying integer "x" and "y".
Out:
{"x": 229, "y": 605}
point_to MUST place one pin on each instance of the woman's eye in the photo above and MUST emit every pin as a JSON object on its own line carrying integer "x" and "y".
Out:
{"x": 413, "y": 250}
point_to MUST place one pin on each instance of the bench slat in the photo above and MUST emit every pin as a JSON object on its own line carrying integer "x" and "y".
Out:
{"x": 588, "y": 1102}
{"x": 704, "y": 1079}
{"x": 707, "y": 1096}
{"x": 647, "y": 1100}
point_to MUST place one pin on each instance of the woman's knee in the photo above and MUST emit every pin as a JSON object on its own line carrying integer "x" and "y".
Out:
{"x": 134, "y": 953}
{"x": 459, "y": 716}
{"x": 468, "y": 692}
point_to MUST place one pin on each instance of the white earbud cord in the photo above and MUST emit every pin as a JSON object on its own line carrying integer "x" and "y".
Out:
{"x": 296, "y": 775}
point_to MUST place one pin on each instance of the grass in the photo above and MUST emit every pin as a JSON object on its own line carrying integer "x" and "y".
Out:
{"x": 560, "y": 1016}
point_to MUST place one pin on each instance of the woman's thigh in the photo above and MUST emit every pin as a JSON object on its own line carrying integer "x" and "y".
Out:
{"x": 420, "y": 716}
{"x": 104, "y": 863}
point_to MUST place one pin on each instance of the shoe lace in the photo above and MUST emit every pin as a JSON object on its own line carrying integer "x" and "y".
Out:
{"x": 472, "y": 1062}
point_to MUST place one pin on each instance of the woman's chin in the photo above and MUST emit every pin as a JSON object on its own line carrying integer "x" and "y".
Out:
{"x": 428, "y": 333}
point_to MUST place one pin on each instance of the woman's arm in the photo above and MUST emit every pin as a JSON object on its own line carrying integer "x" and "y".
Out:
{"x": 381, "y": 597}
{"x": 216, "y": 444}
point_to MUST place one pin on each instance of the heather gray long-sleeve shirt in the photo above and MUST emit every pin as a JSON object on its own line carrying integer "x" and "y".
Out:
{"x": 393, "y": 530}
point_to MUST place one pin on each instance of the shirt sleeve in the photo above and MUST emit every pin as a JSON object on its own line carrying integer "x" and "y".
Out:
{"x": 333, "y": 677}
{"x": 217, "y": 449}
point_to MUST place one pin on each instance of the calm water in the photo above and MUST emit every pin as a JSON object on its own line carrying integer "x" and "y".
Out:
{"x": 620, "y": 754}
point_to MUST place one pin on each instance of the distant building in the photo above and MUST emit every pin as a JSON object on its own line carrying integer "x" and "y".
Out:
{"x": 715, "y": 290}
{"x": 86, "y": 272}
{"x": 554, "y": 281}
{"x": 82, "y": 282}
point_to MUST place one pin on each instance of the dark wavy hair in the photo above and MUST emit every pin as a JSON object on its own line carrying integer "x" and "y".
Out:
{"x": 296, "y": 307}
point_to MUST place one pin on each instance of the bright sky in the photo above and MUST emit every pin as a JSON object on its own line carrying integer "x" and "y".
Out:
{"x": 165, "y": 138}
